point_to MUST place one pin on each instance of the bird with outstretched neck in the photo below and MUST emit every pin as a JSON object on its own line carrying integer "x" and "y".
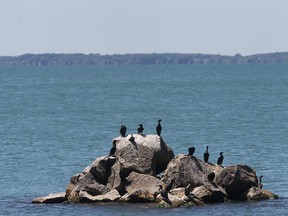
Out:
{"x": 206, "y": 155}
{"x": 260, "y": 185}
{"x": 159, "y": 128}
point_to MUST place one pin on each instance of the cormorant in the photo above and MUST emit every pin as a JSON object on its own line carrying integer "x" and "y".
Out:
{"x": 132, "y": 139}
{"x": 169, "y": 186}
{"x": 140, "y": 129}
{"x": 164, "y": 192}
{"x": 113, "y": 149}
{"x": 206, "y": 155}
{"x": 191, "y": 151}
{"x": 159, "y": 128}
{"x": 220, "y": 159}
{"x": 188, "y": 190}
{"x": 123, "y": 130}
{"x": 260, "y": 185}
{"x": 211, "y": 176}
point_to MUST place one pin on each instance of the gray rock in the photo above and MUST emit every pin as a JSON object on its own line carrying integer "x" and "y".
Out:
{"x": 255, "y": 193}
{"x": 101, "y": 167}
{"x": 130, "y": 176}
{"x": 148, "y": 154}
{"x": 141, "y": 187}
{"x": 51, "y": 198}
{"x": 237, "y": 179}
{"x": 209, "y": 193}
{"x": 85, "y": 183}
{"x": 111, "y": 196}
{"x": 184, "y": 170}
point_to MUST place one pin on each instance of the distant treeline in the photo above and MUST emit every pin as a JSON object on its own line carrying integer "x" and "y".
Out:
{"x": 165, "y": 58}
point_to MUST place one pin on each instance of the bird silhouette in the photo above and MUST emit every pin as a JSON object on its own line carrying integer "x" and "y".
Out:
{"x": 113, "y": 149}
{"x": 159, "y": 128}
{"x": 132, "y": 139}
{"x": 123, "y": 130}
{"x": 206, "y": 155}
{"x": 260, "y": 185}
{"x": 191, "y": 151}
{"x": 211, "y": 176}
{"x": 164, "y": 191}
{"x": 140, "y": 129}
{"x": 220, "y": 159}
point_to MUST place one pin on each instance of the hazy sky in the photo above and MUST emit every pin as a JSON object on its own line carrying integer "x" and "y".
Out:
{"x": 143, "y": 26}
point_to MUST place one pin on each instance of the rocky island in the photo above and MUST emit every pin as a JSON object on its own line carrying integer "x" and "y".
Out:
{"x": 143, "y": 168}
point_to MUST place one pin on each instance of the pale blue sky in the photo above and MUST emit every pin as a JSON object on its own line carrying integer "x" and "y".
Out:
{"x": 222, "y": 27}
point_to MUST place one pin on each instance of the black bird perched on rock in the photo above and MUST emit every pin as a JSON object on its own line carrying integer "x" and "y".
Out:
{"x": 191, "y": 151}
{"x": 140, "y": 129}
{"x": 220, "y": 159}
{"x": 132, "y": 139}
{"x": 188, "y": 189}
{"x": 164, "y": 192}
{"x": 260, "y": 185}
{"x": 211, "y": 176}
{"x": 159, "y": 128}
{"x": 123, "y": 130}
{"x": 113, "y": 149}
{"x": 206, "y": 155}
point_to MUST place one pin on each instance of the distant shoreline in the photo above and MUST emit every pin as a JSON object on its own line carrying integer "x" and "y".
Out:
{"x": 141, "y": 59}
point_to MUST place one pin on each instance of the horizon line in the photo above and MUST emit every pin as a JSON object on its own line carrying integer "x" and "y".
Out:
{"x": 153, "y": 53}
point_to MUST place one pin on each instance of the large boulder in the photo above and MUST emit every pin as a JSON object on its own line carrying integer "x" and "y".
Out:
{"x": 209, "y": 193}
{"x": 141, "y": 187}
{"x": 236, "y": 179}
{"x": 147, "y": 154}
{"x": 184, "y": 170}
{"x": 92, "y": 180}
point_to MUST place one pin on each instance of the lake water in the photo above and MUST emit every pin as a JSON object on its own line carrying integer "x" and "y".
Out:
{"x": 54, "y": 121}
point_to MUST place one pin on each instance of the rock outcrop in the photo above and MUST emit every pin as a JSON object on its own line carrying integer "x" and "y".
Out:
{"x": 132, "y": 174}
{"x": 146, "y": 154}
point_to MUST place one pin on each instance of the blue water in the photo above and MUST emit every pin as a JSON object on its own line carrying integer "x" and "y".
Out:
{"x": 54, "y": 121}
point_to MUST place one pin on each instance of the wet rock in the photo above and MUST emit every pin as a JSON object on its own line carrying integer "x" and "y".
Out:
{"x": 51, "y": 198}
{"x": 111, "y": 196}
{"x": 255, "y": 193}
